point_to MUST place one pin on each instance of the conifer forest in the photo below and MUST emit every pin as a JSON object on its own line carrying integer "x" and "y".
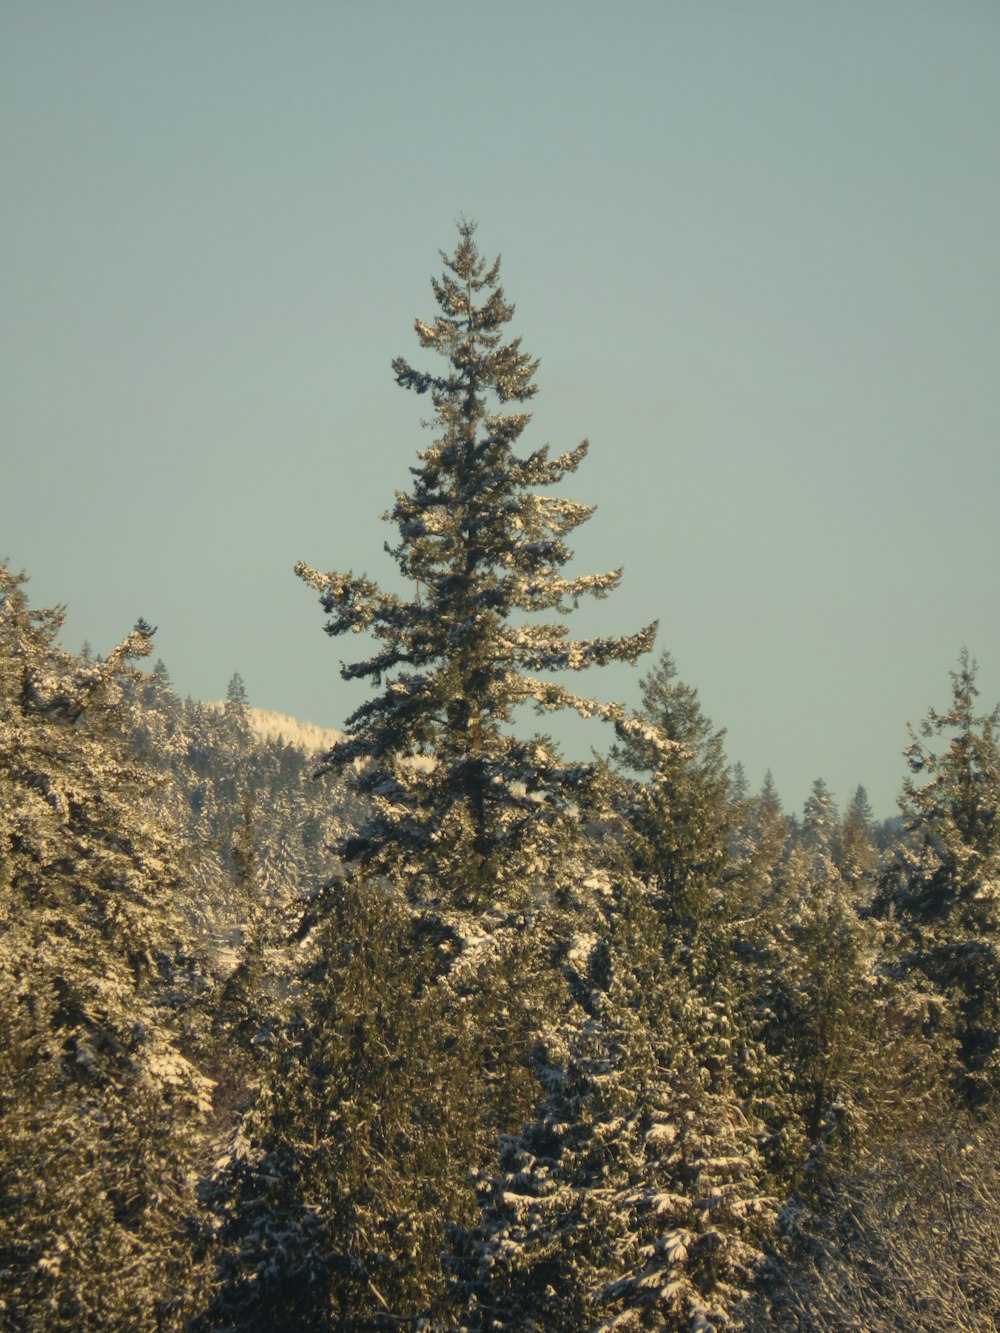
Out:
{"x": 428, "y": 1025}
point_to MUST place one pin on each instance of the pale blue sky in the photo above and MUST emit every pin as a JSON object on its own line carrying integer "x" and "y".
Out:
{"x": 756, "y": 246}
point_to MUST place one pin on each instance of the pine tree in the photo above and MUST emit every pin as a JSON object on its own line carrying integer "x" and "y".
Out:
{"x": 241, "y": 1004}
{"x": 680, "y": 819}
{"x": 825, "y": 1000}
{"x": 634, "y": 1199}
{"x": 237, "y": 721}
{"x": 473, "y": 811}
{"x": 407, "y": 1051}
{"x": 943, "y": 886}
{"x": 819, "y": 831}
{"x": 101, "y": 1111}
{"x": 236, "y": 693}
{"x": 334, "y": 1202}
{"x": 757, "y": 846}
{"x": 840, "y": 1028}
{"x": 706, "y": 878}
{"x": 857, "y": 853}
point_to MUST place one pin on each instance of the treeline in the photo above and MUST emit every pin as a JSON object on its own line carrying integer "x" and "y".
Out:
{"x": 462, "y": 1034}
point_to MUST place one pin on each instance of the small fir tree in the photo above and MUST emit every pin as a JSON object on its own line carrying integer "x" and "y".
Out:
{"x": 841, "y": 1029}
{"x": 678, "y": 822}
{"x": 857, "y": 852}
{"x": 682, "y": 836}
{"x": 820, "y": 827}
{"x": 943, "y": 885}
{"x": 757, "y": 846}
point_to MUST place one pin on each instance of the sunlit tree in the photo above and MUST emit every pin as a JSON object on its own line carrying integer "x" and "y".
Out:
{"x": 101, "y": 1109}
{"x": 467, "y": 808}
{"x": 943, "y": 886}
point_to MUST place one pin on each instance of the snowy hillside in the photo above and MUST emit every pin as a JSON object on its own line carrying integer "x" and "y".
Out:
{"x": 269, "y": 726}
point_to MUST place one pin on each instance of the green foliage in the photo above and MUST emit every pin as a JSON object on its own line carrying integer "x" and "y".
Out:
{"x": 943, "y": 886}
{"x": 460, "y": 805}
{"x": 377, "y": 1104}
{"x": 678, "y": 822}
{"x": 704, "y": 859}
{"x": 496, "y": 1040}
{"x": 849, "y": 1035}
{"x": 101, "y": 1112}
{"x": 857, "y": 850}
{"x": 634, "y": 1199}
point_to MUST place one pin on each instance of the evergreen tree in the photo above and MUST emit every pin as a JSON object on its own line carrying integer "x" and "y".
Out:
{"x": 355, "y": 1154}
{"x": 739, "y": 784}
{"x": 243, "y": 1004}
{"x": 100, "y": 1110}
{"x": 820, "y": 823}
{"x": 824, "y": 1001}
{"x": 237, "y": 721}
{"x": 943, "y": 885}
{"x": 474, "y": 811}
{"x": 236, "y": 693}
{"x": 757, "y": 846}
{"x": 707, "y": 883}
{"x": 843, "y": 1032}
{"x": 680, "y": 819}
{"x": 634, "y": 1200}
{"x": 333, "y": 1205}
{"x": 857, "y": 853}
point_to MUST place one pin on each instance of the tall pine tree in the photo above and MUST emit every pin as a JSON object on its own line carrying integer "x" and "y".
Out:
{"x": 395, "y": 1078}
{"x": 456, "y": 798}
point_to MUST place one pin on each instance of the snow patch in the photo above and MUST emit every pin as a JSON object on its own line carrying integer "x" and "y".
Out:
{"x": 270, "y": 726}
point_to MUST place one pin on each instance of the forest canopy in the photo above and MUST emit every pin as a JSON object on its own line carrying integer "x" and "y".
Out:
{"x": 439, "y": 1028}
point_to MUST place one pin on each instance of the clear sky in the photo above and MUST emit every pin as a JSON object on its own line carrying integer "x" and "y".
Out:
{"x": 756, "y": 246}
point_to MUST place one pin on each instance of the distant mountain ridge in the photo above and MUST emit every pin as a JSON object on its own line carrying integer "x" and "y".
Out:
{"x": 270, "y": 726}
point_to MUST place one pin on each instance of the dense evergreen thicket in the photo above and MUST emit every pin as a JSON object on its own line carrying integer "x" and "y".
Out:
{"x": 437, "y": 1029}
{"x": 102, "y": 1111}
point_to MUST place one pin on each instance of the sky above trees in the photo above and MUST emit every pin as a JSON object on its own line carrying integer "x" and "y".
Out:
{"x": 755, "y": 248}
